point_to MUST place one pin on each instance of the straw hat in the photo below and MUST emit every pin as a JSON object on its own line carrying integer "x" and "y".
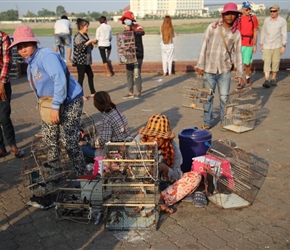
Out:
{"x": 23, "y": 34}
{"x": 158, "y": 126}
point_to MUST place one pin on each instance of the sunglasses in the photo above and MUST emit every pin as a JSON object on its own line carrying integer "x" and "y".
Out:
{"x": 273, "y": 11}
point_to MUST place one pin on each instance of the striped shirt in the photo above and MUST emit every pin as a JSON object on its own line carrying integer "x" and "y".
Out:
{"x": 5, "y": 57}
{"x": 214, "y": 58}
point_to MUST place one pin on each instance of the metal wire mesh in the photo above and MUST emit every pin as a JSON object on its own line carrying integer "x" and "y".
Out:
{"x": 234, "y": 177}
{"x": 126, "y": 47}
{"x": 130, "y": 185}
{"x": 240, "y": 115}
{"x": 194, "y": 95}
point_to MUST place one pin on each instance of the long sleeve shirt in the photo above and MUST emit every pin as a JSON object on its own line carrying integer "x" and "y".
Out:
{"x": 5, "y": 57}
{"x": 274, "y": 33}
{"x": 48, "y": 72}
{"x": 214, "y": 58}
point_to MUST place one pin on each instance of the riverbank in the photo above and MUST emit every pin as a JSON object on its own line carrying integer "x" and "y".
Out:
{"x": 181, "y": 26}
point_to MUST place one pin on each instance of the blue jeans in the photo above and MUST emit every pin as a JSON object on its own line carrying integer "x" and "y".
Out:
{"x": 223, "y": 82}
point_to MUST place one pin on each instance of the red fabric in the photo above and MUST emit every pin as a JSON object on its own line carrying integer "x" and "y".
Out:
{"x": 5, "y": 57}
{"x": 246, "y": 28}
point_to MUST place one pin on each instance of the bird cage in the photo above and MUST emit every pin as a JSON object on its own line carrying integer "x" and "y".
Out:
{"x": 130, "y": 185}
{"x": 126, "y": 47}
{"x": 240, "y": 115}
{"x": 40, "y": 176}
{"x": 80, "y": 199}
{"x": 195, "y": 96}
{"x": 88, "y": 128}
{"x": 16, "y": 61}
{"x": 233, "y": 177}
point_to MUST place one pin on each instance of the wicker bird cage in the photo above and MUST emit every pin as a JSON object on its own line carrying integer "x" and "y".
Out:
{"x": 42, "y": 177}
{"x": 130, "y": 185}
{"x": 233, "y": 177}
{"x": 80, "y": 199}
{"x": 240, "y": 115}
{"x": 126, "y": 47}
{"x": 195, "y": 96}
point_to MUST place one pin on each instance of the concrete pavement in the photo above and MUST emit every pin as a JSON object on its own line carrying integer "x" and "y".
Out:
{"x": 263, "y": 225}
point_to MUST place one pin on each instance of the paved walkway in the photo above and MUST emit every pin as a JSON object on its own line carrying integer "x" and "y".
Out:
{"x": 264, "y": 225}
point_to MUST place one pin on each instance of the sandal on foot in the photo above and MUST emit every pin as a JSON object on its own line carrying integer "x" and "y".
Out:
{"x": 199, "y": 199}
{"x": 19, "y": 153}
{"x": 166, "y": 209}
{"x": 3, "y": 153}
{"x": 240, "y": 85}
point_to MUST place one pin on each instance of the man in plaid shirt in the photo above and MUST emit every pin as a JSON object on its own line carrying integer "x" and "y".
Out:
{"x": 5, "y": 98}
{"x": 215, "y": 60}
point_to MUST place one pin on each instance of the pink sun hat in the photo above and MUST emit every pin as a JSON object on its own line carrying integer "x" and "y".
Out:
{"x": 23, "y": 34}
{"x": 230, "y": 7}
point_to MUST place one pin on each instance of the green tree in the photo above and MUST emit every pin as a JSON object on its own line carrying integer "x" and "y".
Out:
{"x": 60, "y": 10}
{"x": 9, "y": 15}
{"x": 95, "y": 15}
{"x": 30, "y": 14}
{"x": 45, "y": 12}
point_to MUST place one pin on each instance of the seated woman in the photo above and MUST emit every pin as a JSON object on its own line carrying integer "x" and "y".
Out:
{"x": 114, "y": 126}
{"x": 170, "y": 158}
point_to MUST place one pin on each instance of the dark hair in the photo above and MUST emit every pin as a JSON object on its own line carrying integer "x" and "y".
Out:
{"x": 102, "y": 19}
{"x": 64, "y": 17}
{"x": 81, "y": 23}
{"x": 103, "y": 102}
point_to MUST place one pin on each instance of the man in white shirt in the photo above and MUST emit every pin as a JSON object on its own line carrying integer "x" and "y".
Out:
{"x": 63, "y": 33}
{"x": 273, "y": 44}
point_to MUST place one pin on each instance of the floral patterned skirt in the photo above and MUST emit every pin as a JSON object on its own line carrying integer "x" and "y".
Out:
{"x": 184, "y": 186}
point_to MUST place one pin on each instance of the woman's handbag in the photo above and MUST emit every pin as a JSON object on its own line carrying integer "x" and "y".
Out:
{"x": 44, "y": 106}
{"x": 45, "y": 102}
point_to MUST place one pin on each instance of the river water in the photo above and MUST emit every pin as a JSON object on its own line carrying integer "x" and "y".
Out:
{"x": 187, "y": 48}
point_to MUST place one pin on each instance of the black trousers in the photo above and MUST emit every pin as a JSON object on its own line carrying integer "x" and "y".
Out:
{"x": 86, "y": 69}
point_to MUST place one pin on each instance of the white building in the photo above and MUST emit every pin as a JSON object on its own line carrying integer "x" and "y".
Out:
{"x": 140, "y": 8}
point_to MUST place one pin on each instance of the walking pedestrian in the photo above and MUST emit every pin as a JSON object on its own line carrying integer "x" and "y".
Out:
{"x": 248, "y": 27}
{"x": 273, "y": 44}
{"x": 167, "y": 45}
{"x": 82, "y": 55}
{"x": 134, "y": 78}
{"x": 48, "y": 76}
{"x": 221, "y": 42}
{"x": 62, "y": 34}
{"x": 6, "y": 127}
{"x": 104, "y": 37}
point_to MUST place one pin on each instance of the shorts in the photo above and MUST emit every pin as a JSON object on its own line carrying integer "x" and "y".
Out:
{"x": 247, "y": 54}
{"x": 271, "y": 58}
{"x": 62, "y": 39}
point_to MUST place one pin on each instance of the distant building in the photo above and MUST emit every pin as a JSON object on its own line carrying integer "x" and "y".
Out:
{"x": 141, "y": 8}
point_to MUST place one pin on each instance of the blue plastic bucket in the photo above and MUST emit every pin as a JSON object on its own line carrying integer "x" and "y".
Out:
{"x": 193, "y": 142}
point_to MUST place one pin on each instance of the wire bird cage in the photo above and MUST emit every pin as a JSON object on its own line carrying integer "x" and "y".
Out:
{"x": 80, "y": 200}
{"x": 240, "y": 115}
{"x": 195, "y": 96}
{"x": 130, "y": 185}
{"x": 88, "y": 128}
{"x": 41, "y": 176}
{"x": 233, "y": 177}
{"x": 126, "y": 47}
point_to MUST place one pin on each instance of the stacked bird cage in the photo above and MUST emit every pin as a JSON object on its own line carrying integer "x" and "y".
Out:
{"x": 195, "y": 96}
{"x": 81, "y": 199}
{"x": 130, "y": 185}
{"x": 42, "y": 177}
{"x": 126, "y": 47}
{"x": 241, "y": 108}
{"x": 233, "y": 177}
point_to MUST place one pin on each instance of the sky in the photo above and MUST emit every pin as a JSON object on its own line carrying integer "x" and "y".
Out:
{"x": 99, "y": 5}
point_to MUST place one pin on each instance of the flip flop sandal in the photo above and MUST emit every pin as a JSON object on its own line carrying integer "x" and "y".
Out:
{"x": 20, "y": 153}
{"x": 240, "y": 86}
{"x": 199, "y": 199}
